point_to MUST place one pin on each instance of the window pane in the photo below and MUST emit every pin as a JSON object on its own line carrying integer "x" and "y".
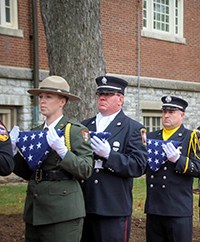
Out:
{"x": 7, "y": 15}
{"x": 152, "y": 123}
{"x": 7, "y": 11}
{"x": 144, "y": 13}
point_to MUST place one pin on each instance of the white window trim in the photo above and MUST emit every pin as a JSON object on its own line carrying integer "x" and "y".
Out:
{"x": 12, "y": 32}
{"x": 9, "y": 116}
{"x": 171, "y": 36}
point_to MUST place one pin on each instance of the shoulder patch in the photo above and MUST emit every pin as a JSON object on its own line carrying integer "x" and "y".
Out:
{"x": 85, "y": 135}
{"x": 144, "y": 136}
{"x": 3, "y": 133}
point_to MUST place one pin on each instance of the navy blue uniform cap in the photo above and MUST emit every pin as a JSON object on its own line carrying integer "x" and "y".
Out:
{"x": 110, "y": 84}
{"x": 173, "y": 103}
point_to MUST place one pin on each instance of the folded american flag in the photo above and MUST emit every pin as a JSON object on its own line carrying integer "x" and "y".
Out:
{"x": 34, "y": 146}
{"x": 156, "y": 154}
{"x": 101, "y": 135}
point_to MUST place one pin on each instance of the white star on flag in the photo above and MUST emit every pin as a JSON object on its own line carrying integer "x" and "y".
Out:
{"x": 34, "y": 146}
{"x": 156, "y": 155}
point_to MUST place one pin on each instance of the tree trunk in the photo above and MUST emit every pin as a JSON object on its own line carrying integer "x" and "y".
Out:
{"x": 75, "y": 51}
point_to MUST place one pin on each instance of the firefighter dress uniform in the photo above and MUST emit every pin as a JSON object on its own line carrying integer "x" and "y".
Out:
{"x": 169, "y": 199}
{"x": 108, "y": 192}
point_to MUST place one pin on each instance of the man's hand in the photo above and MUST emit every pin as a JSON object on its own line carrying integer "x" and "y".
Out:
{"x": 14, "y": 134}
{"x": 172, "y": 153}
{"x": 100, "y": 148}
{"x": 56, "y": 143}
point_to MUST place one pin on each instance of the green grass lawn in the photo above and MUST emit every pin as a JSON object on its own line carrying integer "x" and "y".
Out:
{"x": 13, "y": 196}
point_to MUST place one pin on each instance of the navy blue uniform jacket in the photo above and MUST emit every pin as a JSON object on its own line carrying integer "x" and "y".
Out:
{"x": 169, "y": 190}
{"x": 108, "y": 191}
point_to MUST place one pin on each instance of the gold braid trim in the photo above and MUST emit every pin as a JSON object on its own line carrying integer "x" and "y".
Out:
{"x": 193, "y": 145}
{"x": 67, "y": 136}
{"x": 186, "y": 165}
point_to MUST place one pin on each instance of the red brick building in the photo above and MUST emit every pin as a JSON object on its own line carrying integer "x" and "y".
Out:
{"x": 153, "y": 44}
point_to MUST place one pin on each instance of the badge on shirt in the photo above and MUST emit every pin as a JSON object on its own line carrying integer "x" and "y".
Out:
{"x": 3, "y": 133}
{"x": 85, "y": 135}
{"x": 144, "y": 136}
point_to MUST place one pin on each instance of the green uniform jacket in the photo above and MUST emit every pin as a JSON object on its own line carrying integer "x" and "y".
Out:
{"x": 50, "y": 202}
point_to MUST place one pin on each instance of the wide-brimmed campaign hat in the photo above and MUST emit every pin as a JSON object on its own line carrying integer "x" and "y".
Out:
{"x": 56, "y": 85}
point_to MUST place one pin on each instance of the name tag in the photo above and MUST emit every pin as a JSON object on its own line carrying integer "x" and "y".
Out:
{"x": 98, "y": 164}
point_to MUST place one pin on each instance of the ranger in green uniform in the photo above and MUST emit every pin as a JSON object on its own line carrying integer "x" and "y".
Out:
{"x": 54, "y": 208}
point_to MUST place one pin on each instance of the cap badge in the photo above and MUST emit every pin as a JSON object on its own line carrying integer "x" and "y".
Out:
{"x": 168, "y": 99}
{"x": 104, "y": 80}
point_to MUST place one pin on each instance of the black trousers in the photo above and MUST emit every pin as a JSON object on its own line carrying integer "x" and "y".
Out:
{"x": 168, "y": 229}
{"x": 106, "y": 229}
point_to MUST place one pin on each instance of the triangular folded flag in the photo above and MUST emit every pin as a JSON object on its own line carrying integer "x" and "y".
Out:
{"x": 34, "y": 146}
{"x": 101, "y": 135}
{"x": 156, "y": 154}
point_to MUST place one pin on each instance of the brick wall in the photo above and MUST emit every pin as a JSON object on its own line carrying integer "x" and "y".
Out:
{"x": 17, "y": 51}
{"x": 159, "y": 59}
{"x": 119, "y": 27}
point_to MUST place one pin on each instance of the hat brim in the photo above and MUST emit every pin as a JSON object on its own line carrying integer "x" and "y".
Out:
{"x": 37, "y": 92}
{"x": 108, "y": 90}
{"x": 173, "y": 108}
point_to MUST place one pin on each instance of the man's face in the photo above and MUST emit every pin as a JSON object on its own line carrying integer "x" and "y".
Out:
{"x": 109, "y": 103}
{"x": 172, "y": 118}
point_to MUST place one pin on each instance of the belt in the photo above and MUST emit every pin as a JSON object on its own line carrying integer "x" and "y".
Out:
{"x": 53, "y": 175}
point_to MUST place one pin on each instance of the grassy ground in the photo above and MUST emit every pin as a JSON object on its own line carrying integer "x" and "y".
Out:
{"x": 13, "y": 196}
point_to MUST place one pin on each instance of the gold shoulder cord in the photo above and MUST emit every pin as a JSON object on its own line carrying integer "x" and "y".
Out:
{"x": 193, "y": 144}
{"x": 67, "y": 136}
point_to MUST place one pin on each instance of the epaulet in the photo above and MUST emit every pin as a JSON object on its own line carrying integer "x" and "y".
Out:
{"x": 74, "y": 122}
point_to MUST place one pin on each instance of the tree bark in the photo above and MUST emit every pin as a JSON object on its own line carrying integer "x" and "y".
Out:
{"x": 75, "y": 49}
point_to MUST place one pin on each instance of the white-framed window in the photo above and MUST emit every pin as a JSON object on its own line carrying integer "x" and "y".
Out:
{"x": 8, "y": 116}
{"x": 152, "y": 120}
{"x": 9, "y": 18}
{"x": 8, "y": 14}
{"x": 163, "y": 19}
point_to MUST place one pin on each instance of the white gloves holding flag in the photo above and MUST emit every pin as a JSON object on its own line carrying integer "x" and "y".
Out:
{"x": 14, "y": 134}
{"x": 172, "y": 153}
{"x": 100, "y": 148}
{"x": 56, "y": 143}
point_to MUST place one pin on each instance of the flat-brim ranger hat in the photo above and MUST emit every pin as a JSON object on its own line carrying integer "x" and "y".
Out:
{"x": 110, "y": 84}
{"x": 56, "y": 85}
{"x": 173, "y": 103}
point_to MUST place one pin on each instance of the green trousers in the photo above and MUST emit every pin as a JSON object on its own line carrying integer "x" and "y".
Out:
{"x": 68, "y": 231}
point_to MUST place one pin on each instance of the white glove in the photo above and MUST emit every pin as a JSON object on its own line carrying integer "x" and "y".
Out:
{"x": 172, "y": 153}
{"x": 56, "y": 143}
{"x": 100, "y": 148}
{"x": 14, "y": 134}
